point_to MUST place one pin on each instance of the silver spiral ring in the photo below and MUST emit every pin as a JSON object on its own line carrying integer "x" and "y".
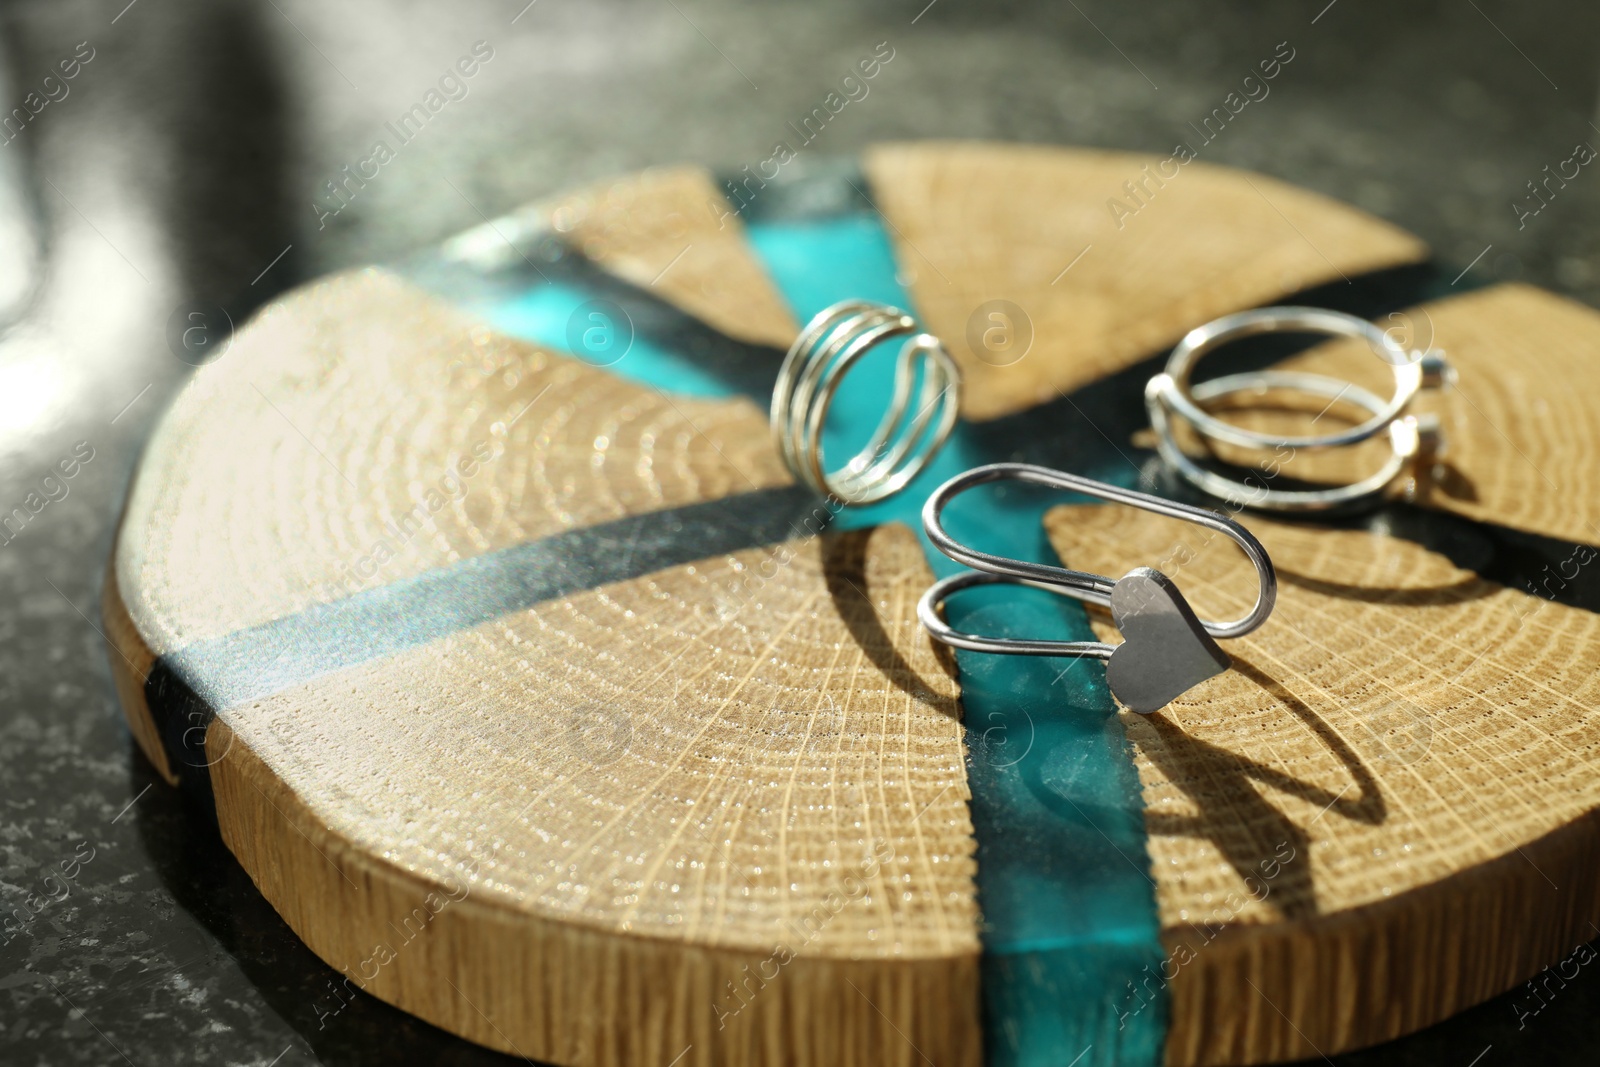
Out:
{"x": 914, "y": 426}
{"x": 1411, "y": 438}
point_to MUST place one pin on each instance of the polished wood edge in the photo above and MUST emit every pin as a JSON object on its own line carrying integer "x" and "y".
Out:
{"x": 1260, "y": 994}
{"x": 569, "y": 994}
{"x": 131, "y": 660}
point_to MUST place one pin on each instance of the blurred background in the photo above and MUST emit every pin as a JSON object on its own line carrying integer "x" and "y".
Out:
{"x": 181, "y": 167}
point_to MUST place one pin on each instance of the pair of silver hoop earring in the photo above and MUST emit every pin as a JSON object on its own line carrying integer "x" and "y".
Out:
{"x": 1415, "y": 440}
{"x": 1166, "y": 649}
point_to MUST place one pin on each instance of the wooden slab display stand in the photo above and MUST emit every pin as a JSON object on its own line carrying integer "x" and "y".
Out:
{"x": 717, "y": 813}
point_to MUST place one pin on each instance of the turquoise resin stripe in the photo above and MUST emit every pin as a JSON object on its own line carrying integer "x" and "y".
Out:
{"x": 542, "y": 313}
{"x": 1069, "y": 915}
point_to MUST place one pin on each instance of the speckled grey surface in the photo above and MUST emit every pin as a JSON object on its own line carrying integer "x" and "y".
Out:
{"x": 187, "y": 156}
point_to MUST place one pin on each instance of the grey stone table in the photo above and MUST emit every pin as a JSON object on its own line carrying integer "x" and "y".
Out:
{"x": 181, "y": 166}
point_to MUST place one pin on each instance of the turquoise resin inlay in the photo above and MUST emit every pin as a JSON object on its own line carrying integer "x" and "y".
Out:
{"x": 1069, "y": 919}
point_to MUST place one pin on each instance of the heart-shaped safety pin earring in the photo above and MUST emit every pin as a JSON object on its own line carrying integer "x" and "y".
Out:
{"x": 1166, "y": 649}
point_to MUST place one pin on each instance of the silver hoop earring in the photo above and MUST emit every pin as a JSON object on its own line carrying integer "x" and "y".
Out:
{"x": 1166, "y": 649}
{"x": 812, "y": 371}
{"x": 1414, "y": 440}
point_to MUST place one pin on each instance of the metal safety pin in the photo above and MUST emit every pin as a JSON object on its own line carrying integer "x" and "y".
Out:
{"x": 1166, "y": 649}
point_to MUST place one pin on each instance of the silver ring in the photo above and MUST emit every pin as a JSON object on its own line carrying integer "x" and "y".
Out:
{"x": 900, "y": 447}
{"x": 1170, "y": 393}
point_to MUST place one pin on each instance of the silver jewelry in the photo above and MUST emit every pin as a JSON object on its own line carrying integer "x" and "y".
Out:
{"x": 1414, "y": 439}
{"x": 899, "y": 449}
{"x": 1166, "y": 649}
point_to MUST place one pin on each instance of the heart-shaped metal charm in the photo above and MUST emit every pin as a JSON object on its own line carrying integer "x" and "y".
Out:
{"x": 1165, "y": 649}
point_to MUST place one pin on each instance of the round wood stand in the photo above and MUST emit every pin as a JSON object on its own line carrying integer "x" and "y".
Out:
{"x": 524, "y": 693}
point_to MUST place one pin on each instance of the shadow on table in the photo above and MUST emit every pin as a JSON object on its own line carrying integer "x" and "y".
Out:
{"x": 204, "y": 878}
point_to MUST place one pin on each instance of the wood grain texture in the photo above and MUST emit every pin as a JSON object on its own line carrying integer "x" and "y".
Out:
{"x": 1383, "y": 813}
{"x": 794, "y": 788}
{"x": 714, "y": 803}
{"x": 979, "y": 222}
{"x": 668, "y": 230}
{"x": 615, "y": 808}
{"x": 358, "y": 401}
